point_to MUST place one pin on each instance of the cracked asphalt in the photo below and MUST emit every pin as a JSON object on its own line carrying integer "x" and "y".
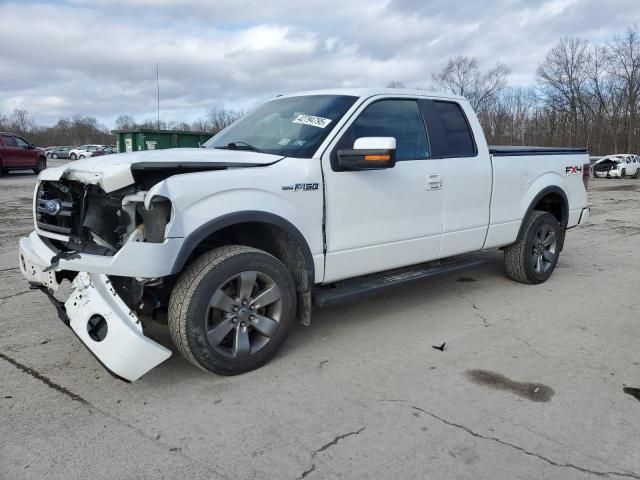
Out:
{"x": 529, "y": 385}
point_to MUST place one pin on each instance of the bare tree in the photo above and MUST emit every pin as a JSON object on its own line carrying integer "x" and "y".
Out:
{"x": 563, "y": 78}
{"x": 395, "y": 84}
{"x": 625, "y": 67}
{"x": 20, "y": 121}
{"x": 462, "y": 76}
{"x": 217, "y": 118}
{"x": 125, "y": 122}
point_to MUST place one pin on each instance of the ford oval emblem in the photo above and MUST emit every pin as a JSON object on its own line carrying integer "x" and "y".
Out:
{"x": 52, "y": 207}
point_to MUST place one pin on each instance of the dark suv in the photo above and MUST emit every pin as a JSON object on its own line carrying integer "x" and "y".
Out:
{"x": 18, "y": 154}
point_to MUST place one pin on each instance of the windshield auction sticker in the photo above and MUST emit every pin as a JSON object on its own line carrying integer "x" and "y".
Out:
{"x": 319, "y": 122}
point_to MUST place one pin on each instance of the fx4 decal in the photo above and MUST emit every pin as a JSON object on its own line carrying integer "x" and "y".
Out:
{"x": 300, "y": 186}
{"x": 574, "y": 170}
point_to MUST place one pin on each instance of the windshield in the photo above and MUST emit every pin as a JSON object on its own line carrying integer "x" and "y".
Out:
{"x": 292, "y": 126}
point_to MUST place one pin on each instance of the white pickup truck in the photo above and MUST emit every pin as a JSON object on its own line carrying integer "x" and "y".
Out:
{"x": 310, "y": 199}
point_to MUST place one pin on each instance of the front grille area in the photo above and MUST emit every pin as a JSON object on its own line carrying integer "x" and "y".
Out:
{"x": 65, "y": 221}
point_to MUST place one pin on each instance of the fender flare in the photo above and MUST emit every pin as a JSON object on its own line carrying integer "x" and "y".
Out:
{"x": 541, "y": 194}
{"x": 230, "y": 219}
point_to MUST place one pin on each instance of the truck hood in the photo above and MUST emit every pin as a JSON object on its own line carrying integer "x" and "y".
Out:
{"x": 112, "y": 172}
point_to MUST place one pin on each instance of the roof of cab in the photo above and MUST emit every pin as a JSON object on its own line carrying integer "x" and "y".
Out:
{"x": 372, "y": 92}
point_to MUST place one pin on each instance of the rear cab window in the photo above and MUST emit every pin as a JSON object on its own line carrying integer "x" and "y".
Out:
{"x": 449, "y": 131}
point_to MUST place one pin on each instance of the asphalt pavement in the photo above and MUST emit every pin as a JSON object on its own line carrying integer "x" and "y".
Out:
{"x": 530, "y": 385}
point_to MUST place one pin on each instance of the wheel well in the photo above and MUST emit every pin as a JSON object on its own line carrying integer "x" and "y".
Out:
{"x": 555, "y": 204}
{"x": 272, "y": 239}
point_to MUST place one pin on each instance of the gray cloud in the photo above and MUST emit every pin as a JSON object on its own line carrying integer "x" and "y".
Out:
{"x": 98, "y": 57}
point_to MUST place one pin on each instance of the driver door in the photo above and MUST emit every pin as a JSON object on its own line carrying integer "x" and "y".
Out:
{"x": 378, "y": 220}
{"x": 25, "y": 154}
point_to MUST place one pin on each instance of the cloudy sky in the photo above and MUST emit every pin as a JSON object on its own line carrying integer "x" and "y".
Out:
{"x": 98, "y": 57}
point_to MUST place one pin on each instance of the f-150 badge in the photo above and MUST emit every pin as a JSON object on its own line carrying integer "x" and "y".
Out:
{"x": 300, "y": 186}
{"x": 574, "y": 170}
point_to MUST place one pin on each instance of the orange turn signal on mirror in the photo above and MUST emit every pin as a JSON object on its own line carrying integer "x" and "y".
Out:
{"x": 377, "y": 158}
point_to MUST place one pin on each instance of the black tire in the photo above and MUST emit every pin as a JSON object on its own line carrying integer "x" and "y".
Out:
{"x": 637, "y": 174}
{"x": 521, "y": 258}
{"x": 81, "y": 157}
{"x": 623, "y": 173}
{"x": 192, "y": 319}
{"x": 73, "y": 156}
{"x": 54, "y": 155}
{"x": 40, "y": 166}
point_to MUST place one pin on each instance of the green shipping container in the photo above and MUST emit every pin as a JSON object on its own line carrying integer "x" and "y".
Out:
{"x": 138, "y": 139}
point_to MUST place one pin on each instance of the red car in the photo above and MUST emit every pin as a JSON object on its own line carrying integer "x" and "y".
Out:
{"x": 18, "y": 154}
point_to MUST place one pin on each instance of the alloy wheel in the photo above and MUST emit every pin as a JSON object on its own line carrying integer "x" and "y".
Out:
{"x": 543, "y": 252}
{"x": 243, "y": 314}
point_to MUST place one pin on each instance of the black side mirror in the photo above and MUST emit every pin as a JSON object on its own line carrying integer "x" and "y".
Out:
{"x": 32, "y": 146}
{"x": 368, "y": 153}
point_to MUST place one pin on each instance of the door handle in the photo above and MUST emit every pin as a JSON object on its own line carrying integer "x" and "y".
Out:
{"x": 434, "y": 182}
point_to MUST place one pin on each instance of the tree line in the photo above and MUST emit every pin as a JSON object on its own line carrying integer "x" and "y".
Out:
{"x": 584, "y": 95}
{"x": 79, "y": 130}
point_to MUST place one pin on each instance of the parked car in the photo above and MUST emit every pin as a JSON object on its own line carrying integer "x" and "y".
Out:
{"x": 310, "y": 199}
{"x": 18, "y": 154}
{"x": 58, "y": 152}
{"x": 47, "y": 150}
{"x": 104, "y": 151}
{"x": 617, "y": 166}
{"x": 632, "y": 168}
{"x": 85, "y": 151}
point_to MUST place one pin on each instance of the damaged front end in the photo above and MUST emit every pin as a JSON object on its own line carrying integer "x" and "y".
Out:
{"x": 104, "y": 224}
{"x": 89, "y": 237}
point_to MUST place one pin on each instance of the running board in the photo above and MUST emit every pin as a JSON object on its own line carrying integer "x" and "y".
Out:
{"x": 356, "y": 288}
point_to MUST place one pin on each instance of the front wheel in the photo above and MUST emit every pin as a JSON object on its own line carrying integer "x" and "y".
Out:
{"x": 54, "y": 155}
{"x": 533, "y": 258}
{"x": 81, "y": 157}
{"x": 73, "y": 156}
{"x": 623, "y": 173}
{"x": 232, "y": 309}
{"x": 40, "y": 166}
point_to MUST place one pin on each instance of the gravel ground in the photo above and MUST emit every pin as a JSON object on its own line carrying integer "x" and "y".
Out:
{"x": 530, "y": 384}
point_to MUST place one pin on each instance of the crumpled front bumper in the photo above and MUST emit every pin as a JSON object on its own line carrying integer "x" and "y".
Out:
{"x": 98, "y": 316}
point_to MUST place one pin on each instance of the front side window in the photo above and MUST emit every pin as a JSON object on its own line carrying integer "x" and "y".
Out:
{"x": 21, "y": 143}
{"x": 400, "y": 119}
{"x": 291, "y": 126}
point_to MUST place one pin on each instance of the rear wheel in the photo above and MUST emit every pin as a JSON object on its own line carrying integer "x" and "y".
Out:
{"x": 232, "y": 309}
{"x": 81, "y": 157}
{"x": 73, "y": 156}
{"x": 533, "y": 258}
{"x": 623, "y": 173}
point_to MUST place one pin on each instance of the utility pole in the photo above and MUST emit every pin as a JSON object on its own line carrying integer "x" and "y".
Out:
{"x": 158, "y": 89}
